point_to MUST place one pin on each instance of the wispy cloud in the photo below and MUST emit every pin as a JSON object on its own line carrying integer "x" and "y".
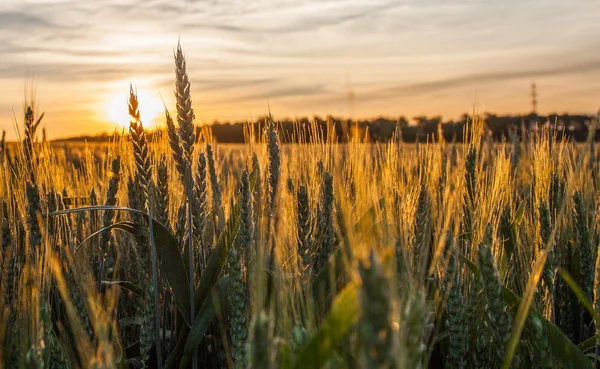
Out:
{"x": 286, "y": 92}
{"x": 15, "y": 20}
{"x": 590, "y": 67}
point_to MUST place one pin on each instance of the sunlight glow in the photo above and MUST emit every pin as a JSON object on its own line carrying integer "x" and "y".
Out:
{"x": 151, "y": 109}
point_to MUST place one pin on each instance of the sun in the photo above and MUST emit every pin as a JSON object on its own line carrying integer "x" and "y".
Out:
{"x": 151, "y": 109}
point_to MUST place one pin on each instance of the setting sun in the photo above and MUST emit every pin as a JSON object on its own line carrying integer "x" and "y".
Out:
{"x": 151, "y": 108}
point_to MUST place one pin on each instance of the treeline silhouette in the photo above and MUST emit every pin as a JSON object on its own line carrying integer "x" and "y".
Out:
{"x": 382, "y": 129}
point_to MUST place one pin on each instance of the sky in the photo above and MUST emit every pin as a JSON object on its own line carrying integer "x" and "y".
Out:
{"x": 296, "y": 58}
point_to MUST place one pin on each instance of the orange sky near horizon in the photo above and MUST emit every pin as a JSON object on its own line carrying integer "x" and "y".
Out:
{"x": 298, "y": 57}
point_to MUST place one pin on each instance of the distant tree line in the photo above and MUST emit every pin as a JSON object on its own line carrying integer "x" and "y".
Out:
{"x": 382, "y": 129}
{"x": 421, "y": 128}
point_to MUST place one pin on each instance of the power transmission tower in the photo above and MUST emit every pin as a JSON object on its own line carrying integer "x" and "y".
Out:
{"x": 533, "y": 98}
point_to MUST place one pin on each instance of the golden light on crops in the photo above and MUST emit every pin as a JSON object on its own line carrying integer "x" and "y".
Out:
{"x": 150, "y": 106}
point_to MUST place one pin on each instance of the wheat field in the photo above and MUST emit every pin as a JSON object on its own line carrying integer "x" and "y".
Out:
{"x": 180, "y": 252}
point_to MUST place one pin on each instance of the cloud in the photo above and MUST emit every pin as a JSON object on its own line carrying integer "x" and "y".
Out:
{"x": 88, "y": 72}
{"x": 220, "y": 84}
{"x": 50, "y": 47}
{"x": 427, "y": 88}
{"x": 286, "y": 92}
{"x": 302, "y": 18}
{"x": 20, "y": 20}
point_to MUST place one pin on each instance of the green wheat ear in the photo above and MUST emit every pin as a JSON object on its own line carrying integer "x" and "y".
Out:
{"x": 141, "y": 148}
{"x": 33, "y": 212}
{"x": 180, "y": 226}
{"x": 217, "y": 195}
{"x": 274, "y": 164}
{"x": 162, "y": 192}
{"x": 496, "y": 308}
{"x": 422, "y": 241}
{"x": 260, "y": 342}
{"x": 254, "y": 252}
{"x": 185, "y": 112}
{"x": 545, "y": 232}
{"x": 303, "y": 221}
{"x": 246, "y": 231}
{"x": 516, "y": 151}
{"x": 586, "y": 259}
{"x": 325, "y": 236}
{"x": 147, "y": 327}
{"x": 470, "y": 174}
{"x": 542, "y": 357}
{"x": 375, "y": 325}
{"x": 413, "y": 327}
{"x": 456, "y": 323}
{"x": 237, "y": 297}
{"x": 9, "y": 257}
{"x": 200, "y": 214}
